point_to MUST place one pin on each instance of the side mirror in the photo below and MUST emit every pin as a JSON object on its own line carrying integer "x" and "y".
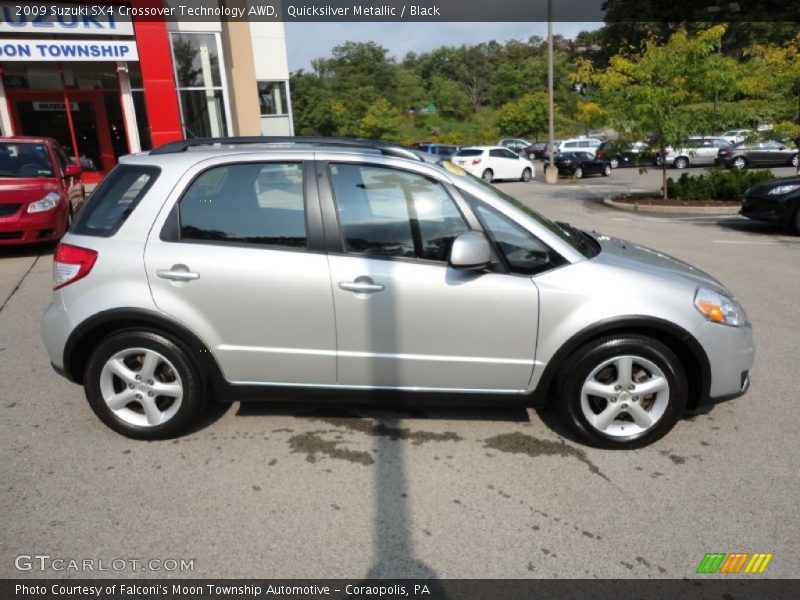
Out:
{"x": 72, "y": 170}
{"x": 472, "y": 251}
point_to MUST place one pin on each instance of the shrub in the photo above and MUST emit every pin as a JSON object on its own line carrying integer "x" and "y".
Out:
{"x": 716, "y": 184}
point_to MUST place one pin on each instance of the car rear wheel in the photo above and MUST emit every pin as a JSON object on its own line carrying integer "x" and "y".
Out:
{"x": 681, "y": 163}
{"x": 739, "y": 163}
{"x": 487, "y": 176}
{"x": 606, "y": 170}
{"x": 578, "y": 173}
{"x": 794, "y": 161}
{"x": 622, "y": 391}
{"x": 527, "y": 175}
{"x": 143, "y": 385}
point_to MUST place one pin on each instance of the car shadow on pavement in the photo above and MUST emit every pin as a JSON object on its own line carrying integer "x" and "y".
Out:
{"x": 754, "y": 227}
{"x": 26, "y": 250}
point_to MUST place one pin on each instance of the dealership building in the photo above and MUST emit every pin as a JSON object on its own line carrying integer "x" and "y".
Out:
{"x": 108, "y": 83}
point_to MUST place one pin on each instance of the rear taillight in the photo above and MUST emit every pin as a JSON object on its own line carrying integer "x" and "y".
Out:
{"x": 71, "y": 263}
{"x": 476, "y": 161}
{"x": 600, "y": 154}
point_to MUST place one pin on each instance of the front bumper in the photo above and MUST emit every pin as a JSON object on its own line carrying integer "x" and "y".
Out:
{"x": 731, "y": 353}
{"x": 29, "y": 228}
{"x": 768, "y": 210}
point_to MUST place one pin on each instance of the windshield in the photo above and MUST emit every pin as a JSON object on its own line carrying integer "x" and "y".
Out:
{"x": 581, "y": 242}
{"x": 25, "y": 160}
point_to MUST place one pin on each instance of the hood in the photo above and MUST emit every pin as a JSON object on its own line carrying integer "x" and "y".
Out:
{"x": 16, "y": 191}
{"x": 760, "y": 189}
{"x": 630, "y": 255}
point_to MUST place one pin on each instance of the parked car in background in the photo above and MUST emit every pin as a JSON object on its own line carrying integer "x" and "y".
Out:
{"x": 40, "y": 190}
{"x": 620, "y": 154}
{"x": 776, "y": 201}
{"x": 492, "y": 163}
{"x": 767, "y": 153}
{"x": 580, "y": 164}
{"x": 535, "y": 150}
{"x": 589, "y": 145}
{"x": 515, "y": 144}
{"x": 393, "y": 275}
{"x": 734, "y": 136}
{"x": 548, "y": 150}
{"x": 442, "y": 151}
{"x": 694, "y": 152}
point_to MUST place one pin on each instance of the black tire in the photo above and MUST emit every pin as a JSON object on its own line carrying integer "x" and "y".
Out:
{"x": 607, "y": 171}
{"x": 192, "y": 402}
{"x": 796, "y": 221}
{"x": 681, "y": 162}
{"x": 578, "y": 173}
{"x": 579, "y": 366}
{"x": 527, "y": 175}
{"x": 487, "y": 176}
{"x": 614, "y": 163}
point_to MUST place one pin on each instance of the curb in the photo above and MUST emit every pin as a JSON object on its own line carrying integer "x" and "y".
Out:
{"x": 672, "y": 210}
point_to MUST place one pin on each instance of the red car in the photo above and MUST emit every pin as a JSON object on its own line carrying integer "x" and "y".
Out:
{"x": 40, "y": 190}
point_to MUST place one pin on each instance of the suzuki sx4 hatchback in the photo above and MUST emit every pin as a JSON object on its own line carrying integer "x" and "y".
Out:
{"x": 238, "y": 269}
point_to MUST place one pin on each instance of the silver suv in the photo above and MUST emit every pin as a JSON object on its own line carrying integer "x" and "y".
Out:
{"x": 241, "y": 269}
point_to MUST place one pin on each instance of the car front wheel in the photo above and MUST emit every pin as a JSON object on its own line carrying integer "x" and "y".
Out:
{"x": 794, "y": 161}
{"x": 578, "y": 173}
{"x": 681, "y": 163}
{"x": 606, "y": 171}
{"x": 143, "y": 385}
{"x": 622, "y": 391}
{"x": 527, "y": 175}
{"x": 739, "y": 163}
{"x": 487, "y": 176}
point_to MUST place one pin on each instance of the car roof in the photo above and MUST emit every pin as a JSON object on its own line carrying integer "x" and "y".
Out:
{"x": 484, "y": 148}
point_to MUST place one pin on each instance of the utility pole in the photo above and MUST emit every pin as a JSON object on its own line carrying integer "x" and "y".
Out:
{"x": 550, "y": 173}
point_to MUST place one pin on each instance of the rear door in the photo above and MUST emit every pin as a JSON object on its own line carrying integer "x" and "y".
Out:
{"x": 235, "y": 260}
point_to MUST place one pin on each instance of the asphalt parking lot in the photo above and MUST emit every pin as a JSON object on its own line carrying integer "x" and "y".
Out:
{"x": 290, "y": 490}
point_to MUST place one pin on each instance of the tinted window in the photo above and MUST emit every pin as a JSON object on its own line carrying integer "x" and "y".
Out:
{"x": 570, "y": 145}
{"x": 469, "y": 152}
{"x": 387, "y": 212}
{"x": 114, "y": 200}
{"x": 253, "y": 203}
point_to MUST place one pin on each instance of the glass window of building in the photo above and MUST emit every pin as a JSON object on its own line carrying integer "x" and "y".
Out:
{"x": 272, "y": 98}
{"x": 198, "y": 75}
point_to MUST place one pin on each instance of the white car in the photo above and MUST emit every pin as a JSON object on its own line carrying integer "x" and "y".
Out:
{"x": 493, "y": 162}
{"x": 589, "y": 145}
{"x": 734, "y": 136}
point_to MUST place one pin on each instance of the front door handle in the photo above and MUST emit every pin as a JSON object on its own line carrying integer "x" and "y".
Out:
{"x": 361, "y": 286}
{"x": 178, "y": 273}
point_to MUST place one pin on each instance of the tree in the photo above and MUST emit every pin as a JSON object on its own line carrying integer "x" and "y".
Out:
{"x": 381, "y": 121}
{"x": 648, "y": 93}
{"x": 523, "y": 117}
{"x": 450, "y": 98}
{"x": 590, "y": 115}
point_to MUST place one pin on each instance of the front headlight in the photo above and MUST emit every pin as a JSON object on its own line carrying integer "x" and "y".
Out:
{"x": 783, "y": 189}
{"x": 719, "y": 308}
{"x": 49, "y": 202}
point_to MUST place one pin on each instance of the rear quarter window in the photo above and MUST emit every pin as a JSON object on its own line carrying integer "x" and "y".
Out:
{"x": 114, "y": 200}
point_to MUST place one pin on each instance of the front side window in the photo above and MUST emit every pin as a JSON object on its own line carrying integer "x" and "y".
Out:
{"x": 252, "y": 203}
{"x": 388, "y": 212}
{"x": 524, "y": 253}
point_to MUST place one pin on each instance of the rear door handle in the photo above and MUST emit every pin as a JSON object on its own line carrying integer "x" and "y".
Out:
{"x": 178, "y": 273}
{"x": 361, "y": 286}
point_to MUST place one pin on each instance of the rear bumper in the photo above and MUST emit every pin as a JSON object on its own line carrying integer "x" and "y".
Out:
{"x": 25, "y": 228}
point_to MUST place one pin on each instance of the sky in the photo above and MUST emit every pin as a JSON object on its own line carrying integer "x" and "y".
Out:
{"x": 306, "y": 41}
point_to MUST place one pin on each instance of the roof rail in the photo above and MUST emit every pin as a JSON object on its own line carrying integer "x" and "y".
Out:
{"x": 386, "y": 148}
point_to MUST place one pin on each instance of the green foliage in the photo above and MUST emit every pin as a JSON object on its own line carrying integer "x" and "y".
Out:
{"x": 716, "y": 184}
{"x": 381, "y": 121}
{"x": 524, "y": 117}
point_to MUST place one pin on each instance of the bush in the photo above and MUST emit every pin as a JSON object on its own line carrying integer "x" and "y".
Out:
{"x": 716, "y": 184}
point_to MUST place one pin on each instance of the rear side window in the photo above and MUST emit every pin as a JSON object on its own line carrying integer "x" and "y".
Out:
{"x": 246, "y": 203}
{"x": 114, "y": 200}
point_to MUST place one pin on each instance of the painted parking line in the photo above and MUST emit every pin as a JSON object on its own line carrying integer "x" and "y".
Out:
{"x": 758, "y": 243}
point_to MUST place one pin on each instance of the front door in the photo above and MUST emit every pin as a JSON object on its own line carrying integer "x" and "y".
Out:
{"x": 404, "y": 318}
{"x": 233, "y": 263}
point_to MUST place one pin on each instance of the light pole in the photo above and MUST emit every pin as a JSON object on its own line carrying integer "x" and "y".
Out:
{"x": 550, "y": 173}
